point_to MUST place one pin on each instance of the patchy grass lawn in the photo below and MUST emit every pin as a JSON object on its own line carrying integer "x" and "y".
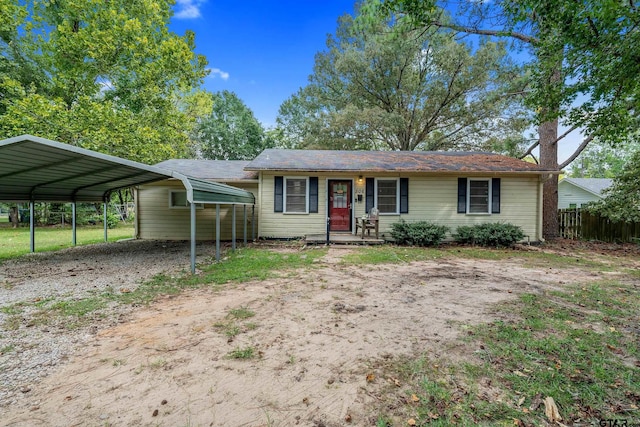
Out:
{"x": 580, "y": 347}
{"x": 241, "y": 265}
{"x": 15, "y": 241}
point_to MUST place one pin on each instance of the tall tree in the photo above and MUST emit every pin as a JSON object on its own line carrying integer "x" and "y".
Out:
{"x": 230, "y": 132}
{"x": 388, "y": 85}
{"x": 107, "y": 76}
{"x": 584, "y": 63}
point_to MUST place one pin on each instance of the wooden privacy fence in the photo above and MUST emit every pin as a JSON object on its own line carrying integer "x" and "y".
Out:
{"x": 581, "y": 224}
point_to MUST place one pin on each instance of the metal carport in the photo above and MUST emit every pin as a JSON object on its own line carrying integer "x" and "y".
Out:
{"x": 38, "y": 169}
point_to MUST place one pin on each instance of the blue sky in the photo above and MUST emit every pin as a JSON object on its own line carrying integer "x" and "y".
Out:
{"x": 261, "y": 50}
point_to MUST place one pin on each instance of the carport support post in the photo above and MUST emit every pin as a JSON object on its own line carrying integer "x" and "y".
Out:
{"x": 193, "y": 238}
{"x": 218, "y": 232}
{"x": 73, "y": 222}
{"x": 32, "y": 226}
{"x": 233, "y": 228}
{"x": 245, "y": 224}
{"x": 253, "y": 223}
{"x": 104, "y": 220}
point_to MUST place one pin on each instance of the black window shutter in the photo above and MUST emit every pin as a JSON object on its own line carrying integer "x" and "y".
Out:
{"x": 495, "y": 195}
{"x": 278, "y": 194}
{"x": 370, "y": 194}
{"x": 313, "y": 194}
{"x": 462, "y": 195}
{"x": 404, "y": 195}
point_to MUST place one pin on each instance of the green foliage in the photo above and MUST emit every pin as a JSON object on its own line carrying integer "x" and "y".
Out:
{"x": 230, "y": 132}
{"x": 583, "y": 65}
{"x": 422, "y": 233}
{"x": 604, "y": 161}
{"x": 80, "y": 307}
{"x": 242, "y": 353}
{"x": 597, "y": 40}
{"x": 109, "y": 77}
{"x": 622, "y": 199}
{"x": 241, "y": 313}
{"x": 112, "y": 220}
{"x": 494, "y": 234}
{"x": 391, "y": 85}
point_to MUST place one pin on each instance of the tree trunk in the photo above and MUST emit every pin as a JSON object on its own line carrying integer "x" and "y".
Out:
{"x": 14, "y": 217}
{"x": 548, "y": 134}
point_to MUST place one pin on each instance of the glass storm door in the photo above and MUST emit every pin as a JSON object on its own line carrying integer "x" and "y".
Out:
{"x": 340, "y": 205}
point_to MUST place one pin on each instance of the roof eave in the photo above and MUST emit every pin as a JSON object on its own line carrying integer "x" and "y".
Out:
{"x": 575, "y": 184}
{"x": 433, "y": 172}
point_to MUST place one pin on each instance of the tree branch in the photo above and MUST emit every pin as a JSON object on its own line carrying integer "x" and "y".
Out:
{"x": 576, "y": 153}
{"x": 530, "y": 150}
{"x": 496, "y": 33}
{"x": 574, "y": 127}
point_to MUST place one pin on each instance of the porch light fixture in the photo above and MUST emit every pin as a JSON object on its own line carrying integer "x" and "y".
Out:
{"x": 360, "y": 179}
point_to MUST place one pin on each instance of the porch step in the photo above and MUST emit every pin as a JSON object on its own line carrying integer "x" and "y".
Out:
{"x": 342, "y": 239}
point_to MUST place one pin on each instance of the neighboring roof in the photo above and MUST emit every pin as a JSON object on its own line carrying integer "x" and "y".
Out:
{"x": 390, "y": 161}
{"x": 38, "y": 169}
{"x": 216, "y": 170}
{"x": 592, "y": 185}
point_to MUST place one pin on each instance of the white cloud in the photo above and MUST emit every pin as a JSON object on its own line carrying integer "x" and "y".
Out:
{"x": 188, "y": 9}
{"x": 217, "y": 72}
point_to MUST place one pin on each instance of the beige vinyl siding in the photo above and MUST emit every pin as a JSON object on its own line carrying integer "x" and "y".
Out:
{"x": 288, "y": 225}
{"x": 436, "y": 199}
{"x": 431, "y": 198}
{"x": 569, "y": 193}
{"x": 158, "y": 221}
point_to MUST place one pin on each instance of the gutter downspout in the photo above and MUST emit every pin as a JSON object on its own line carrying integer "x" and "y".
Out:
{"x": 193, "y": 238}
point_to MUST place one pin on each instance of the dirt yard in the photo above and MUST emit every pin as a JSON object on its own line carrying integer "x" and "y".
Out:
{"x": 315, "y": 335}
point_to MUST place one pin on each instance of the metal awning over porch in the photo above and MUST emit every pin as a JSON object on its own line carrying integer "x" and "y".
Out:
{"x": 38, "y": 169}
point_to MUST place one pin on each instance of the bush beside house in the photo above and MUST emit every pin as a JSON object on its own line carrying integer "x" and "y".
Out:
{"x": 494, "y": 234}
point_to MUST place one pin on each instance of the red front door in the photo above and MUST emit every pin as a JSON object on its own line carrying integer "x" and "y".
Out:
{"x": 340, "y": 205}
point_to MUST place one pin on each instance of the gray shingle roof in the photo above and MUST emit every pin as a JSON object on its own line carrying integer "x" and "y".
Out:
{"x": 218, "y": 170}
{"x": 593, "y": 185}
{"x": 381, "y": 161}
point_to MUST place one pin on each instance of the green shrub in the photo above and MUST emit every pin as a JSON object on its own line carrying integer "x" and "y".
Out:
{"x": 495, "y": 234}
{"x": 421, "y": 233}
{"x": 112, "y": 220}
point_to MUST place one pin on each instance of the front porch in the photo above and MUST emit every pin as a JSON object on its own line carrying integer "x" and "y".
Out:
{"x": 343, "y": 238}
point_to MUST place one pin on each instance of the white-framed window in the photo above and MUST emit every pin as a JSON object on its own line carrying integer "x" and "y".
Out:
{"x": 387, "y": 195}
{"x": 479, "y": 196}
{"x": 178, "y": 200}
{"x": 296, "y": 195}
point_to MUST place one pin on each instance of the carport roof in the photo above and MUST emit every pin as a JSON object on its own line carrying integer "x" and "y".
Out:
{"x": 38, "y": 169}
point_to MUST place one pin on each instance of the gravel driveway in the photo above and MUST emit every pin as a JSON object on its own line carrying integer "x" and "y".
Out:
{"x": 30, "y": 350}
